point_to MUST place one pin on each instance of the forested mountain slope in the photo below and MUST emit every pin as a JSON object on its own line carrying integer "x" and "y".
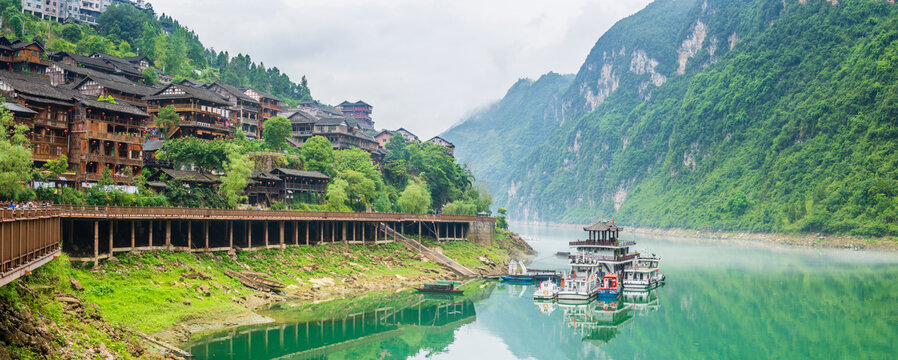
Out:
{"x": 500, "y": 135}
{"x": 772, "y": 116}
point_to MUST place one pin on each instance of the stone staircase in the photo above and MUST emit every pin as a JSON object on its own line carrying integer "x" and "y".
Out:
{"x": 430, "y": 254}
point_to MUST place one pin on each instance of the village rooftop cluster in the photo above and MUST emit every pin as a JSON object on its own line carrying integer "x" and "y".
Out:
{"x": 96, "y": 111}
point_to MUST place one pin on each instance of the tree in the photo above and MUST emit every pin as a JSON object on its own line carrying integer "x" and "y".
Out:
{"x": 72, "y": 33}
{"x": 501, "y": 223}
{"x": 237, "y": 170}
{"x": 360, "y": 189}
{"x": 336, "y": 195}
{"x": 207, "y": 155}
{"x": 57, "y": 166}
{"x": 317, "y": 154}
{"x": 415, "y": 198}
{"x": 15, "y": 157}
{"x": 275, "y": 131}
{"x": 167, "y": 119}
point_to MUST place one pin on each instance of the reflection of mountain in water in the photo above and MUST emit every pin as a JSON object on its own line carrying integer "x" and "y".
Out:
{"x": 386, "y": 331}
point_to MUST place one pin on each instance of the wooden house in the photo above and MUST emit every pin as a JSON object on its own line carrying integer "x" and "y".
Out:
{"x": 450, "y": 148}
{"x": 246, "y": 111}
{"x": 204, "y": 114}
{"x": 52, "y": 109}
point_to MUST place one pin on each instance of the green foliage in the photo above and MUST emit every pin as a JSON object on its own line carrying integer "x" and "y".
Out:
{"x": 237, "y": 170}
{"x": 337, "y": 197}
{"x": 108, "y": 99}
{"x": 790, "y": 130}
{"x": 206, "y": 155}
{"x": 317, "y": 154}
{"x": 460, "y": 208}
{"x": 57, "y": 166}
{"x": 416, "y": 197}
{"x": 275, "y": 131}
{"x": 167, "y": 119}
{"x": 15, "y": 157}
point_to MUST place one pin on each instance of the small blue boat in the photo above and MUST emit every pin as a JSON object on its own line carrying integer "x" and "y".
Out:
{"x": 517, "y": 278}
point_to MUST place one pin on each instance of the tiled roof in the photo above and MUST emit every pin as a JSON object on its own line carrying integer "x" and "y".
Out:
{"x": 189, "y": 92}
{"x": 33, "y": 85}
{"x": 300, "y": 173}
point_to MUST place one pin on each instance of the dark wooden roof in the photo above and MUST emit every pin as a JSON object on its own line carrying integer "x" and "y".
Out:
{"x": 114, "y": 82}
{"x": 190, "y": 92}
{"x": 299, "y": 173}
{"x": 235, "y": 92}
{"x": 300, "y": 117}
{"x": 262, "y": 93}
{"x": 184, "y": 175}
{"x": 602, "y": 226}
{"x": 33, "y": 87}
{"x": 437, "y": 137}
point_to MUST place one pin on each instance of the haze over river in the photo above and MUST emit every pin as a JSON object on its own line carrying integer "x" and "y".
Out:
{"x": 723, "y": 299}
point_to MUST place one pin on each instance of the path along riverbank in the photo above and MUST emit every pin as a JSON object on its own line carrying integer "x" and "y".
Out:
{"x": 173, "y": 296}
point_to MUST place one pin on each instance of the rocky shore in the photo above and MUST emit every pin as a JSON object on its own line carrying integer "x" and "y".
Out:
{"x": 808, "y": 240}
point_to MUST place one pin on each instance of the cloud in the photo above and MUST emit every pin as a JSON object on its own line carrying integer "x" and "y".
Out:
{"x": 421, "y": 64}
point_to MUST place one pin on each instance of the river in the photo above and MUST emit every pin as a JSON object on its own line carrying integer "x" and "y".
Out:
{"x": 723, "y": 299}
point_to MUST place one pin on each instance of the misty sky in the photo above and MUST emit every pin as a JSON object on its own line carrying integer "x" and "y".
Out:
{"x": 422, "y": 64}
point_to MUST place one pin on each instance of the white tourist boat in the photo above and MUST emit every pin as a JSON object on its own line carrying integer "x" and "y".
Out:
{"x": 581, "y": 284}
{"x": 645, "y": 273}
{"x": 547, "y": 290}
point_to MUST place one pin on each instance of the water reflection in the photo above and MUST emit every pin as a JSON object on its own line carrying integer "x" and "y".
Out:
{"x": 407, "y": 330}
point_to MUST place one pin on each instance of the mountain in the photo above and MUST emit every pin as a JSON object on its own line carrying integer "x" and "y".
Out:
{"x": 757, "y": 115}
{"x": 501, "y": 134}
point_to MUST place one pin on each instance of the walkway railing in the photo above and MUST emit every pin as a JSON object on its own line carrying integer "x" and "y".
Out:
{"x": 28, "y": 239}
{"x": 137, "y": 212}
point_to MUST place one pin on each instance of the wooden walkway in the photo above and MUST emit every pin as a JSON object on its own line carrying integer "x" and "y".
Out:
{"x": 28, "y": 239}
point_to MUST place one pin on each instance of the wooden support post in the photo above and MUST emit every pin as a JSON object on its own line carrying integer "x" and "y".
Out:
{"x": 296, "y": 233}
{"x": 249, "y": 234}
{"x": 320, "y": 232}
{"x": 133, "y": 224}
{"x": 354, "y": 225}
{"x": 151, "y": 234}
{"x": 266, "y": 234}
{"x": 96, "y": 242}
{"x": 189, "y": 236}
{"x": 420, "y": 236}
{"x": 282, "y": 233}
{"x": 168, "y": 234}
{"x": 206, "y": 235}
{"x": 344, "y": 232}
{"x": 111, "y": 225}
{"x": 230, "y": 235}
{"x": 333, "y": 232}
{"x": 307, "y": 232}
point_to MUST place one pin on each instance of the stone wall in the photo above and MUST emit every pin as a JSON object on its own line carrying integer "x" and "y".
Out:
{"x": 482, "y": 232}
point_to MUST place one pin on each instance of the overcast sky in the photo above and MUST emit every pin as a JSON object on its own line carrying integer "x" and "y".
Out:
{"x": 422, "y": 64}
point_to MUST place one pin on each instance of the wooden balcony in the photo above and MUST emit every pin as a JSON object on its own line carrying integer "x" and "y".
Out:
{"x": 117, "y": 160}
{"x": 48, "y": 139}
{"x": 129, "y": 139}
{"x": 50, "y": 123}
{"x": 200, "y": 124}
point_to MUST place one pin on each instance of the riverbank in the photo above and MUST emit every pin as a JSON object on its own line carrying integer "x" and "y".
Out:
{"x": 806, "y": 240}
{"x": 174, "y": 295}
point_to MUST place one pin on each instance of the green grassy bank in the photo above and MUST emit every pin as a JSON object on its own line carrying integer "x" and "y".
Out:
{"x": 156, "y": 292}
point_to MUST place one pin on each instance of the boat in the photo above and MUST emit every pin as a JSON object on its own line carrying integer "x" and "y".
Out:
{"x": 441, "y": 287}
{"x": 610, "y": 287}
{"x": 579, "y": 285}
{"x": 645, "y": 273}
{"x": 517, "y": 278}
{"x": 547, "y": 290}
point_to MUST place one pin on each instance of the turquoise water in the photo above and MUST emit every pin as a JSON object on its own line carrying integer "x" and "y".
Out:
{"x": 722, "y": 300}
